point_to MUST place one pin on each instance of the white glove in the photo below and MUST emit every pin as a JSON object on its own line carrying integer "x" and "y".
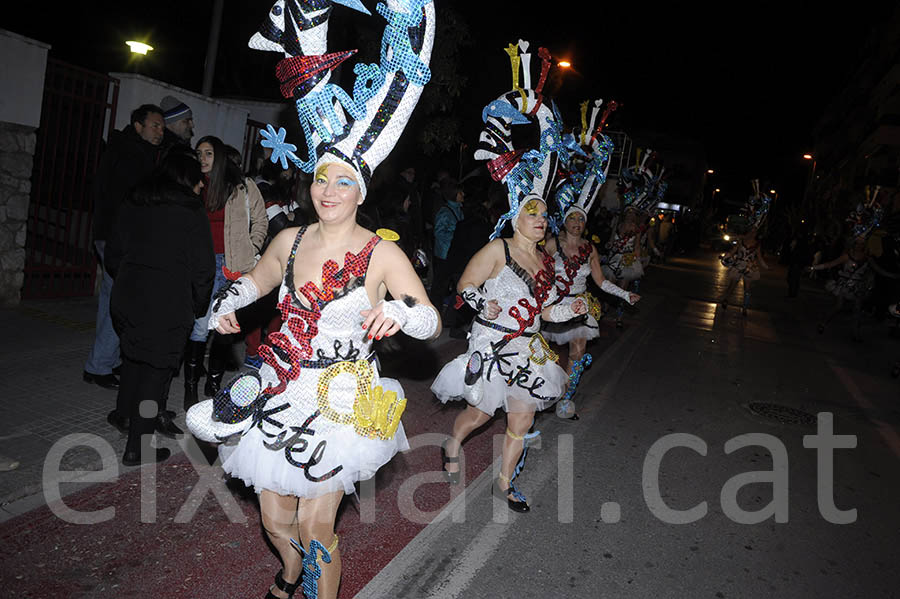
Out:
{"x": 232, "y": 297}
{"x": 415, "y": 320}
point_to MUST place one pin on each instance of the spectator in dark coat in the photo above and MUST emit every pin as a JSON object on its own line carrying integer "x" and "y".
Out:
{"x": 129, "y": 158}
{"x": 161, "y": 259}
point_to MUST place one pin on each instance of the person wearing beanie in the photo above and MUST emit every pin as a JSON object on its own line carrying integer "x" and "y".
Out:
{"x": 179, "y": 121}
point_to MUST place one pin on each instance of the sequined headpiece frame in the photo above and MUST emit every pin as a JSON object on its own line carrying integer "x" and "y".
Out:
{"x": 639, "y": 185}
{"x": 866, "y": 217}
{"x": 358, "y": 130}
{"x": 587, "y": 157}
{"x": 527, "y": 172}
{"x": 757, "y": 207}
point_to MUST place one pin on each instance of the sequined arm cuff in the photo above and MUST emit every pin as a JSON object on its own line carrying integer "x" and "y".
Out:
{"x": 416, "y": 320}
{"x": 475, "y": 298}
{"x": 232, "y": 297}
{"x": 616, "y": 291}
{"x": 561, "y": 312}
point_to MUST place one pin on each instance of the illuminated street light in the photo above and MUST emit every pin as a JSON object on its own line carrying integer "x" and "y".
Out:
{"x": 772, "y": 191}
{"x": 711, "y": 171}
{"x": 564, "y": 64}
{"x": 808, "y": 156}
{"x": 718, "y": 190}
{"x": 139, "y": 47}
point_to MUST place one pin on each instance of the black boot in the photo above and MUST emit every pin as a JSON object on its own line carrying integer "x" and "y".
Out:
{"x": 193, "y": 367}
{"x": 218, "y": 354}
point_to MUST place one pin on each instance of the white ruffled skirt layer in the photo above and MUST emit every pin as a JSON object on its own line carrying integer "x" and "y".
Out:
{"x": 561, "y": 333}
{"x": 632, "y": 272}
{"x": 519, "y": 378}
{"x": 293, "y": 451}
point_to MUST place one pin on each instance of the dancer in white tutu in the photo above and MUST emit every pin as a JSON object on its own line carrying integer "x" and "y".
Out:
{"x": 575, "y": 258}
{"x": 745, "y": 258}
{"x": 318, "y": 417}
{"x": 510, "y": 284}
{"x": 623, "y": 256}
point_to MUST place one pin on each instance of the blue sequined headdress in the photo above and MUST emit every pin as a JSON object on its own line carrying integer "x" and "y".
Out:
{"x": 757, "y": 207}
{"x": 358, "y": 130}
{"x": 638, "y": 185}
{"x": 866, "y": 217}
{"x": 587, "y": 159}
{"x": 527, "y": 172}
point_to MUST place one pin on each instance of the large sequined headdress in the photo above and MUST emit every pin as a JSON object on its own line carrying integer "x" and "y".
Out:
{"x": 527, "y": 172}
{"x": 639, "y": 186}
{"x": 587, "y": 159}
{"x": 358, "y": 130}
{"x": 757, "y": 207}
{"x": 866, "y": 217}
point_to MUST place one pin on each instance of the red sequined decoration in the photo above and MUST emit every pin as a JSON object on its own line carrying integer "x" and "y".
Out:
{"x": 500, "y": 166}
{"x": 543, "y": 283}
{"x": 302, "y": 322}
{"x": 544, "y": 53}
{"x": 571, "y": 266}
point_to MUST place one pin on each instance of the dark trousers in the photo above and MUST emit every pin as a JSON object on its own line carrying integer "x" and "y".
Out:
{"x": 141, "y": 382}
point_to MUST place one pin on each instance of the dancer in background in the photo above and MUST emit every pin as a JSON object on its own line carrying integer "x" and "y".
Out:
{"x": 510, "y": 285}
{"x": 745, "y": 258}
{"x": 576, "y": 258}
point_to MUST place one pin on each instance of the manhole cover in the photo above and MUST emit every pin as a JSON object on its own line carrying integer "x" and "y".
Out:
{"x": 781, "y": 414}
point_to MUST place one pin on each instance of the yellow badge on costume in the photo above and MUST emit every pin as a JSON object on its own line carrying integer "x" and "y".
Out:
{"x": 594, "y": 308}
{"x": 540, "y": 351}
{"x": 376, "y": 412}
{"x": 387, "y": 235}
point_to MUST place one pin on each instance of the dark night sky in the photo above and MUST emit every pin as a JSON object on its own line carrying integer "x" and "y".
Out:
{"x": 747, "y": 82}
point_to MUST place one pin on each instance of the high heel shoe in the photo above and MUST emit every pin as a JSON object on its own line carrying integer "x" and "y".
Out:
{"x": 517, "y": 506}
{"x": 452, "y": 477}
{"x": 282, "y": 585}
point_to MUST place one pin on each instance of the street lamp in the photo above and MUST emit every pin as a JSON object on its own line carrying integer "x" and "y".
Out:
{"x": 564, "y": 64}
{"x": 138, "y": 47}
{"x": 711, "y": 171}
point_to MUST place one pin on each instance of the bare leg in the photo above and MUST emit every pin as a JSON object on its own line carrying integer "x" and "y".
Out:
{"x": 518, "y": 424}
{"x": 279, "y": 520}
{"x": 576, "y": 352}
{"x": 747, "y": 285}
{"x": 731, "y": 285}
{"x": 316, "y": 521}
{"x": 467, "y": 421}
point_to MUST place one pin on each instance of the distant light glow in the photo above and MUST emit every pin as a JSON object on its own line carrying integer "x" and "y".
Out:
{"x": 726, "y": 237}
{"x": 564, "y": 64}
{"x": 718, "y": 190}
{"x": 711, "y": 171}
{"x": 771, "y": 191}
{"x": 808, "y": 156}
{"x": 139, "y": 47}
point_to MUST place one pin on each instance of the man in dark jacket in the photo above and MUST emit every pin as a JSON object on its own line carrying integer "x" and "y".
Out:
{"x": 129, "y": 159}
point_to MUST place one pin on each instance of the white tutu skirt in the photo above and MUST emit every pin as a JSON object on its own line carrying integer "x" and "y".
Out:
{"x": 537, "y": 381}
{"x": 632, "y": 272}
{"x": 289, "y": 455}
{"x": 585, "y": 327}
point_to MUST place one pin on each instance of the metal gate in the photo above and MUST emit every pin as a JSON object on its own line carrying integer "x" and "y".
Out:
{"x": 77, "y": 104}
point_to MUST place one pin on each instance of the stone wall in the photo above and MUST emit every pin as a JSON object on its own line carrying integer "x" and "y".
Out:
{"x": 17, "y": 143}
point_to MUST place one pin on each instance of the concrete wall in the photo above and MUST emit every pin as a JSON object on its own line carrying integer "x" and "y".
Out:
{"x": 20, "y": 115}
{"x": 24, "y": 75}
{"x": 211, "y": 116}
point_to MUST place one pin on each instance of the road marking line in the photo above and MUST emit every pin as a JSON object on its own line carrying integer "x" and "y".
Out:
{"x": 454, "y": 581}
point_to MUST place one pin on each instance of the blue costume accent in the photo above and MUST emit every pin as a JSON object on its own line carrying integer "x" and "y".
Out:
{"x": 311, "y": 569}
